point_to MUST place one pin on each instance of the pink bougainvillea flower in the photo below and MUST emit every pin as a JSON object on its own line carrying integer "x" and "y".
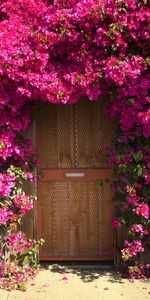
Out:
{"x": 142, "y": 210}
{"x": 64, "y": 277}
{"x": 46, "y": 285}
{"x": 115, "y": 222}
{"x": 18, "y": 242}
{"x": 138, "y": 228}
{"x": 24, "y": 203}
{"x": 7, "y": 183}
{"x": 5, "y": 214}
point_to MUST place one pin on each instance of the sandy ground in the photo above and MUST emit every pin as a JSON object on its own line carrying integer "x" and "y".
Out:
{"x": 79, "y": 283}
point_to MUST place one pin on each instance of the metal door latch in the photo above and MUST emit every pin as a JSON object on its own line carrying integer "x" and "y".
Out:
{"x": 75, "y": 174}
{"x": 41, "y": 175}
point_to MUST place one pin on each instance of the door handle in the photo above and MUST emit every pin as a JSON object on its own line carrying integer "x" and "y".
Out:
{"x": 41, "y": 175}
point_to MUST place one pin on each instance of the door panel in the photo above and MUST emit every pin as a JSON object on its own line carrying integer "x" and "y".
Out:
{"x": 75, "y": 220}
{"x": 73, "y": 212}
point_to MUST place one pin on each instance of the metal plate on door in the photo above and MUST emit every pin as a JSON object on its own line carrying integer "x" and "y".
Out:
{"x": 74, "y": 174}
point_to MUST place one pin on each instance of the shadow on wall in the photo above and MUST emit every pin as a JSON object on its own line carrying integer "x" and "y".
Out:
{"x": 87, "y": 272}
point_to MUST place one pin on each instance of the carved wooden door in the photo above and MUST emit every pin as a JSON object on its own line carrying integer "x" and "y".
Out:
{"x": 73, "y": 211}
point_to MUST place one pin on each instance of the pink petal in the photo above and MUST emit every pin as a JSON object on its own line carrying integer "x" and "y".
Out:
{"x": 46, "y": 285}
{"x": 106, "y": 289}
{"x": 64, "y": 276}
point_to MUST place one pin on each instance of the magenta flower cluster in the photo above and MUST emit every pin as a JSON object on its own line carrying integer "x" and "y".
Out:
{"x": 17, "y": 275}
{"x": 5, "y": 215}
{"x": 59, "y": 51}
{"x": 18, "y": 243}
{"x": 7, "y": 184}
{"x": 23, "y": 202}
{"x": 142, "y": 210}
{"x": 131, "y": 249}
{"x": 138, "y": 228}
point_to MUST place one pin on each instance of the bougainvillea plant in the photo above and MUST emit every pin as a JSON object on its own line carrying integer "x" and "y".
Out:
{"x": 58, "y": 51}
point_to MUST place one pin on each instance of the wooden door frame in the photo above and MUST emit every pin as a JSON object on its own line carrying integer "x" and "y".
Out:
{"x": 36, "y": 221}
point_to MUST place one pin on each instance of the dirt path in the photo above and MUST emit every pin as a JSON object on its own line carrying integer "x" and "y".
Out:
{"x": 68, "y": 283}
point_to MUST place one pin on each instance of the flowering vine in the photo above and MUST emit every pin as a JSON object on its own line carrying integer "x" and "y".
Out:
{"x": 58, "y": 51}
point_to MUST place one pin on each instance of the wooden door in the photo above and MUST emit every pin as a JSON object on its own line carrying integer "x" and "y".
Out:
{"x": 73, "y": 211}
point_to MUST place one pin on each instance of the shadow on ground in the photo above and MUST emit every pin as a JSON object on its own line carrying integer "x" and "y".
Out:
{"x": 86, "y": 272}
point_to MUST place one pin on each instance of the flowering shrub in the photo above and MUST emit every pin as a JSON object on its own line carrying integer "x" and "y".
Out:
{"x": 24, "y": 203}
{"x": 21, "y": 265}
{"x": 5, "y": 215}
{"x": 132, "y": 248}
{"x": 13, "y": 276}
{"x": 58, "y": 51}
